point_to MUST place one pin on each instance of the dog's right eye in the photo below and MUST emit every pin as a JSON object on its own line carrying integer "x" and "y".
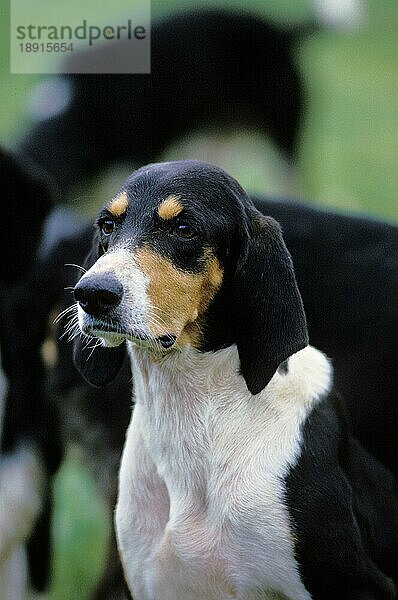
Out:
{"x": 184, "y": 231}
{"x": 107, "y": 226}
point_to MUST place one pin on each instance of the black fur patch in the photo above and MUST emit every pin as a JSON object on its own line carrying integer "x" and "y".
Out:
{"x": 347, "y": 272}
{"x": 344, "y": 510}
{"x": 100, "y": 366}
{"x": 26, "y": 199}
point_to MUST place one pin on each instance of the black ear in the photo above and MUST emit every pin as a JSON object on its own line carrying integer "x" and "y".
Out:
{"x": 101, "y": 365}
{"x": 268, "y": 314}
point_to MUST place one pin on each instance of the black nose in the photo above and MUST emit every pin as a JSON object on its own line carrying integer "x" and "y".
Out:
{"x": 98, "y": 294}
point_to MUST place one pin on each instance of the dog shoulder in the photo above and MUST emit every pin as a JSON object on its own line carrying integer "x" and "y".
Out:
{"x": 305, "y": 378}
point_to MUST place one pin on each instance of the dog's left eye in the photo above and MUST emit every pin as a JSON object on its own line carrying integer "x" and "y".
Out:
{"x": 107, "y": 226}
{"x": 184, "y": 231}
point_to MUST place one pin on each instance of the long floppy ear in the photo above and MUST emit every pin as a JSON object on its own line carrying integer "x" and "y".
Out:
{"x": 268, "y": 314}
{"x": 101, "y": 365}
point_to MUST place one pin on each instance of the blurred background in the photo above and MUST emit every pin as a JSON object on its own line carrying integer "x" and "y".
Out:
{"x": 348, "y": 142}
{"x": 346, "y": 158}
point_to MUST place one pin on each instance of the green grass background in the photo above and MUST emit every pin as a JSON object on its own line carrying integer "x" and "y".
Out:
{"x": 347, "y": 158}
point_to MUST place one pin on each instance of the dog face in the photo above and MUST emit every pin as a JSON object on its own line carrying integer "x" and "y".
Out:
{"x": 161, "y": 249}
{"x": 181, "y": 257}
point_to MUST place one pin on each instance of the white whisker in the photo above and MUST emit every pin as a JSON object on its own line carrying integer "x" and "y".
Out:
{"x": 76, "y": 266}
{"x": 97, "y": 343}
{"x": 65, "y": 312}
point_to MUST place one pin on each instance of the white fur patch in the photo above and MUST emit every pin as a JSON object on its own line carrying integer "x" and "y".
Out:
{"x": 14, "y": 575}
{"x": 119, "y": 261}
{"x": 201, "y": 511}
{"x": 21, "y": 488}
{"x": 21, "y": 485}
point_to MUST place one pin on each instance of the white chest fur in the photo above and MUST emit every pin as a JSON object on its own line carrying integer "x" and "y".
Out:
{"x": 201, "y": 511}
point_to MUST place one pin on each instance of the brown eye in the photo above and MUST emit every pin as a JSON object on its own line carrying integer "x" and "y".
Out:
{"x": 184, "y": 231}
{"x": 107, "y": 226}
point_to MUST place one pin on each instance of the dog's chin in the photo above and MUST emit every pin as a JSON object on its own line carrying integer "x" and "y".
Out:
{"x": 163, "y": 343}
{"x": 108, "y": 339}
{"x": 112, "y": 342}
{"x": 112, "y": 339}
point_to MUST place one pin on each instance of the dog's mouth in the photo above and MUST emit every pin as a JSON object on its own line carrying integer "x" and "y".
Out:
{"x": 114, "y": 336}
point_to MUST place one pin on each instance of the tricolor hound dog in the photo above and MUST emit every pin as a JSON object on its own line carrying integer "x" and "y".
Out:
{"x": 239, "y": 478}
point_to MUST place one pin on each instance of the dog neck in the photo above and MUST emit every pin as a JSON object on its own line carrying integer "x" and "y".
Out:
{"x": 203, "y": 376}
{"x": 187, "y": 375}
{"x": 188, "y": 401}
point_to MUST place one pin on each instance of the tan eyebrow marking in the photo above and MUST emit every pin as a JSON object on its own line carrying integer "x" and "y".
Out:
{"x": 118, "y": 205}
{"x": 170, "y": 207}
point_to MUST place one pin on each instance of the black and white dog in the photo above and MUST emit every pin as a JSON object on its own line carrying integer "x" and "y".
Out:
{"x": 239, "y": 477}
{"x": 30, "y": 450}
{"x": 347, "y": 269}
{"x": 358, "y": 328}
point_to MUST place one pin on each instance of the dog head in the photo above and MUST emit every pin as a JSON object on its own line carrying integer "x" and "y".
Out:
{"x": 181, "y": 256}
